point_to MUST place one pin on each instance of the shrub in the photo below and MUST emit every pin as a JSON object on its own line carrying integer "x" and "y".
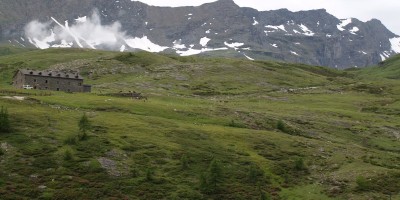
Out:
{"x": 5, "y": 126}
{"x": 281, "y": 126}
{"x": 263, "y": 195}
{"x": 184, "y": 162}
{"x": 68, "y": 155}
{"x": 236, "y": 124}
{"x": 362, "y": 183}
{"x": 149, "y": 174}
{"x": 299, "y": 164}
{"x": 209, "y": 180}
{"x": 1, "y": 152}
{"x": 84, "y": 127}
{"x": 134, "y": 172}
{"x": 70, "y": 140}
{"x": 255, "y": 174}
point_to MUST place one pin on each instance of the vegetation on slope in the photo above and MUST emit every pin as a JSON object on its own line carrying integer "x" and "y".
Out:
{"x": 210, "y": 128}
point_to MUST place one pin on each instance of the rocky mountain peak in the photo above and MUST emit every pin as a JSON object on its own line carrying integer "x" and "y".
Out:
{"x": 220, "y": 28}
{"x": 226, "y": 2}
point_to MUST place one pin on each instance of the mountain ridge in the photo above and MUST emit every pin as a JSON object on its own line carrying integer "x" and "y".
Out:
{"x": 219, "y": 28}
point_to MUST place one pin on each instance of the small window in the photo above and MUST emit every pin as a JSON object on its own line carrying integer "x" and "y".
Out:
{"x": 58, "y": 89}
{"x": 34, "y": 80}
{"x": 46, "y": 81}
{"x": 30, "y": 72}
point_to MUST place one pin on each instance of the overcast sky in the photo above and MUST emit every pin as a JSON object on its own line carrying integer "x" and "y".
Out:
{"x": 385, "y": 10}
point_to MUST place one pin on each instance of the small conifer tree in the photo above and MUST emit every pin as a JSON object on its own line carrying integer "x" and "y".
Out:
{"x": 214, "y": 174}
{"x": 5, "y": 126}
{"x": 184, "y": 162}
{"x": 209, "y": 181}
{"x": 84, "y": 127}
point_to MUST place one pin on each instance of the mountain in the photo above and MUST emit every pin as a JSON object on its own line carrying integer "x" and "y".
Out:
{"x": 220, "y": 28}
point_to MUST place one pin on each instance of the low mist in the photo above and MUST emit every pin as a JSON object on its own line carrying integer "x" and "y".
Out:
{"x": 87, "y": 32}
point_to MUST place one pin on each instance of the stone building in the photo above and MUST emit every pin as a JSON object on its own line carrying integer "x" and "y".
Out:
{"x": 49, "y": 80}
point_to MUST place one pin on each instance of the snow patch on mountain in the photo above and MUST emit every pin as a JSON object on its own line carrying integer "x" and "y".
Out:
{"x": 354, "y": 30}
{"x": 144, "y": 44}
{"x": 234, "y": 45}
{"x": 280, "y": 27}
{"x": 294, "y": 53}
{"x": 384, "y": 55}
{"x": 204, "y": 41}
{"x": 255, "y": 21}
{"x": 395, "y": 42}
{"x": 306, "y": 31}
{"x": 248, "y": 57}
{"x": 191, "y": 51}
{"x": 178, "y": 44}
{"x": 343, "y": 24}
{"x": 363, "y": 52}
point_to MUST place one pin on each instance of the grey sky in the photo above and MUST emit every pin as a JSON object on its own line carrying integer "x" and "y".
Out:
{"x": 385, "y": 10}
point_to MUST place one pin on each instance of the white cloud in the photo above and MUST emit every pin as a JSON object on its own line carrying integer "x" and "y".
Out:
{"x": 90, "y": 32}
{"x": 384, "y": 10}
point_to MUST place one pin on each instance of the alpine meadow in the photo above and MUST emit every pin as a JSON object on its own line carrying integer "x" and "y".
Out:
{"x": 120, "y": 100}
{"x": 205, "y": 128}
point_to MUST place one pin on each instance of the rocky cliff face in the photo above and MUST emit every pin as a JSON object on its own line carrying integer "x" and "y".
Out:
{"x": 218, "y": 29}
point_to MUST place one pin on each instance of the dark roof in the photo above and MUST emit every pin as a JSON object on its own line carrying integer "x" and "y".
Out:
{"x": 51, "y": 74}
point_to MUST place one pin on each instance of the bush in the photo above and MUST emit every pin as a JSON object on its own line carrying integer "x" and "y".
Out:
{"x": 68, "y": 155}
{"x": 281, "y": 126}
{"x": 362, "y": 183}
{"x": 149, "y": 174}
{"x": 5, "y": 126}
{"x": 70, "y": 140}
{"x": 255, "y": 174}
{"x": 299, "y": 164}
{"x": 184, "y": 162}
{"x": 84, "y": 127}
{"x": 236, "y": 124}
{"x": 209, "y": 181}
{"x": 1, "y": 152}
{"x": 134, "y": 172}
{"x": 263, "y": 195}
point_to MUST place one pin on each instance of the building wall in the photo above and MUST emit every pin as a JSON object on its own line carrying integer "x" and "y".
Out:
{"x": 19, "y": 80}
{"x": 54, "y": 83}
{"x": 87, "y": 88}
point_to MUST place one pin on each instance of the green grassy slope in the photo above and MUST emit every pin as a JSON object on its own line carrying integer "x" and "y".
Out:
{"x": 388, "y": 69}
{"x": 283, "y": 131}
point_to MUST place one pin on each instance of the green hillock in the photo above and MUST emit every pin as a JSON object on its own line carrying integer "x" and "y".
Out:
{"x": 208, "y": 128}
